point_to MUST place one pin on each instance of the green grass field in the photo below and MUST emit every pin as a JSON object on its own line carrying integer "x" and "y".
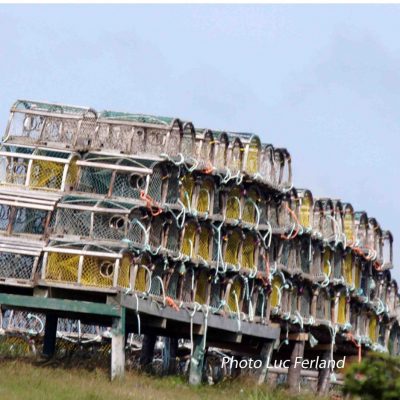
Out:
{"x": 22, "y": 380}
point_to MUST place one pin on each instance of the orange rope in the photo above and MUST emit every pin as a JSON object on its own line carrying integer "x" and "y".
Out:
{"x": 208, "y": 169}
{"x": 297, "y": 224}
{"x": 170, "y": 301}
{"x": 151, "y": 203}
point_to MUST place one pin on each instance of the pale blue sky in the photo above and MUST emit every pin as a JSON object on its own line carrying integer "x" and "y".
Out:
{"x": 323, "y": 81}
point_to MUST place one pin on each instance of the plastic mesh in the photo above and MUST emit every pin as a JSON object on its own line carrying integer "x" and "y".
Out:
{"x": 173, "y": 285}
{"x": 235, "y": 293}
{"x": 215, "y": 293}
{"x": 156, "y": 185}
{"x": 4, "y": 216}
{"x": 305, "y": 212}
{"x": 187, "y": 190}
{"x": 98, "y": 272}
{"x": 187, "y": 286}
{"x": 249, "y": 208}
{"x": 252, "y": 163}
{"x": 189, "y": 238}
{"x": 156, "y": 141}
{"x": 233, "y": 204}
{"x": 28, "y": 220}
{"x": 248, "y": 252}
{"x": 141, "y": 279}
{"x": 232, "y": 248}
{"x": 204, "y": 243}
{"x": 16, "y": 266}
{"x": 128, "y": 185}
{"x": 15, "y": 171}
{"x": 94, "y": 180}
{"x": 62, "y": 267}
{"x": 342, "y": 309}
{"x": 22, "y": 322}
{"x": 46, "y": 175}
{"x": 174, "y": 143}
{"x": 202, "y": 287}
{"x": 305, "y": 303}
{"x": 206, "y": 193}
{"x": 26, "y": 126}
{"x": 72, "y": 222}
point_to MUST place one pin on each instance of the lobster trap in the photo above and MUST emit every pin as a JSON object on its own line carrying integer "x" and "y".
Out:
{"x": 348, "y": 223}
{"x": 152, "y": 181}
{"x": 205, "y": 149}
{"x": 25, "y": 214}
{"x": 89, "y": 266}
{"x": 306, "y": 202}
{"x": 53, "y": 125}
{"x": 102, "y": 220}
{"x": 19, "y": 261}
{"x": 361, "y": 229}
{"x": 144, "y": 134}
{"x": 37, "y": 168}
{"x": 323, "y": 306}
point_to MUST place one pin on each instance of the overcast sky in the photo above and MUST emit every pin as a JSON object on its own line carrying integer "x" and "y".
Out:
{"x": 323, "y": 81}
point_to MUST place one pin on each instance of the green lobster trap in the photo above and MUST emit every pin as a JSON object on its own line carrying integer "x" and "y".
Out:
{"x": 25, "y": 214}
{"x": 37, "y": 168}
{"x": 152, "y": 181}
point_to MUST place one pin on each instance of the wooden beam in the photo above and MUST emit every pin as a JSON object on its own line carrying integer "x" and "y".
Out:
{"x": 46, "y": 304}
{"x": 118, "y": 347}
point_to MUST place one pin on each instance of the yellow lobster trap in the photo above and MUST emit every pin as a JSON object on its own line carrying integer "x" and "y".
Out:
{"x": 85, "y": 266}
{"x": 26, "y": 214}
{"x": 306, "y": 202}
{"x": 79, "y": 217}
{"x": 28, "y": 167}
{"x": 19, "y": 261}
{"x": 53, "y": 125}
{"x": 348, "y": 223}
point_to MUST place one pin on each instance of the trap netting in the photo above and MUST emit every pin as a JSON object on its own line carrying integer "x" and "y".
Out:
{"x": 107, "y": 220}
{"x": 23, "y": 322}
{"x": 87, "y": 267}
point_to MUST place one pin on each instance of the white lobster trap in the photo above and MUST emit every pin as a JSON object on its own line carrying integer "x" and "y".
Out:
{"x": 53, "y": 125}
{"x": 88, "y": 265}
{"x": 361, "y": 229}
{"x": 38, "y": 168}
{"x": 221, "y": 146}
{"x": 19, "y": 261}
{"x": 205, "y": 149}
{"x": 79, "y": 217}
{"x": 387, "y": 249}
{"x": 26, "y": 214}
{"x": 139, "y": 134}
{"x": 374, "y": 240}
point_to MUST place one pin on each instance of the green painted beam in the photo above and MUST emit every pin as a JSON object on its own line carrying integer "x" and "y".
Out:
{"x": 48, "y": 304}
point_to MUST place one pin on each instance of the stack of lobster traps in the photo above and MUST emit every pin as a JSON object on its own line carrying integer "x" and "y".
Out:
{"x": 191, "y": 218}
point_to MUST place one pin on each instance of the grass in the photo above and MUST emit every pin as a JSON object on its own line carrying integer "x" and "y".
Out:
{"x": 22, "y": 380}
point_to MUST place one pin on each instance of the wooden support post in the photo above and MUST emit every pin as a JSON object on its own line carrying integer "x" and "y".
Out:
{"x": 118, "y": 346}
{"x": 197, "y": 360}
{"x": 323, "y": 376}
{"x": 147, "y": 352}
{"x": 265, "y": 356}
{"x": 294, "y": 371}
{"x": 169, "y": 359}
{"x": 50, "y": 335}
